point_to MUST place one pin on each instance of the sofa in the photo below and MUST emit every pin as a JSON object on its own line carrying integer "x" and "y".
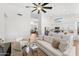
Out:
{"x": 45, "y": 44}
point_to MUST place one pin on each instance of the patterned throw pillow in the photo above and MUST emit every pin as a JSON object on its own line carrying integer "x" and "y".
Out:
{"x": 55, "y": 44}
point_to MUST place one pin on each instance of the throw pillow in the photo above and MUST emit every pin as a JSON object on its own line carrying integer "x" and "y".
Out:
{"x": 55, "y": 44}
{"x": 63, "y": 46}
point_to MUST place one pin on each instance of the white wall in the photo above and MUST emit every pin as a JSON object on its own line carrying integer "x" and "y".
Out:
{"x": 14, "y": 26}
{"x": 18, "y": 27}
{"x": 2, "y": 22}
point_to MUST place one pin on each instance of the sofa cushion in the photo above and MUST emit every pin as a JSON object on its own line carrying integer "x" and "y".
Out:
{"x": 16, "y": 46}
{"x": 64, "y": 45}
{"x": 23, "y": 43}
{"x": 47, "y": 39}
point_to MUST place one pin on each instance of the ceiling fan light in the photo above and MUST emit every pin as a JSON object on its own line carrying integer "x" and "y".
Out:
{"x": 39, "y": 8}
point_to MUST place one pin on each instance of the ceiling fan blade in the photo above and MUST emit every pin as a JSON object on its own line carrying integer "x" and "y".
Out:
{"x": 43, "y": 10}
{"x": 34, "y": 10}
{"x": 35, "y": 4}
{"x": 47, "y": 7}
{"x": 44, "y": 4}
{"x": 19, "y": 14}
{"x": 29, "y": 7}
{"x": 38, "y": 11}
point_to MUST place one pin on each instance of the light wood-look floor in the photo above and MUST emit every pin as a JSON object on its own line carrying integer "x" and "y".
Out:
{"x": 76, "y": 43}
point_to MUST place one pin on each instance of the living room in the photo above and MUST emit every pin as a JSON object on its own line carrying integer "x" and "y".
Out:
{"x": 43, "y": 26}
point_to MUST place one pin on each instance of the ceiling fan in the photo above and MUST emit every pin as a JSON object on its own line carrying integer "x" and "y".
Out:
{"x": 39, "y": 7}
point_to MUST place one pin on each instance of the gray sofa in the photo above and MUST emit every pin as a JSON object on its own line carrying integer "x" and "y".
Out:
{"x": 6, "y": 49}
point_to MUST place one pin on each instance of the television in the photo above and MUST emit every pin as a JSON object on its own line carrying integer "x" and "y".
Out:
{"x": 57, "y": 27}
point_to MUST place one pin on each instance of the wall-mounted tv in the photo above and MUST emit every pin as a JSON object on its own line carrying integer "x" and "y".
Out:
{"x": 57, "y": 27}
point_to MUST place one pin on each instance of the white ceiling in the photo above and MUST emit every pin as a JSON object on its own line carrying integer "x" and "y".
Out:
{"x": 58, "y": 8}
{"x": 66, "y": 8}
